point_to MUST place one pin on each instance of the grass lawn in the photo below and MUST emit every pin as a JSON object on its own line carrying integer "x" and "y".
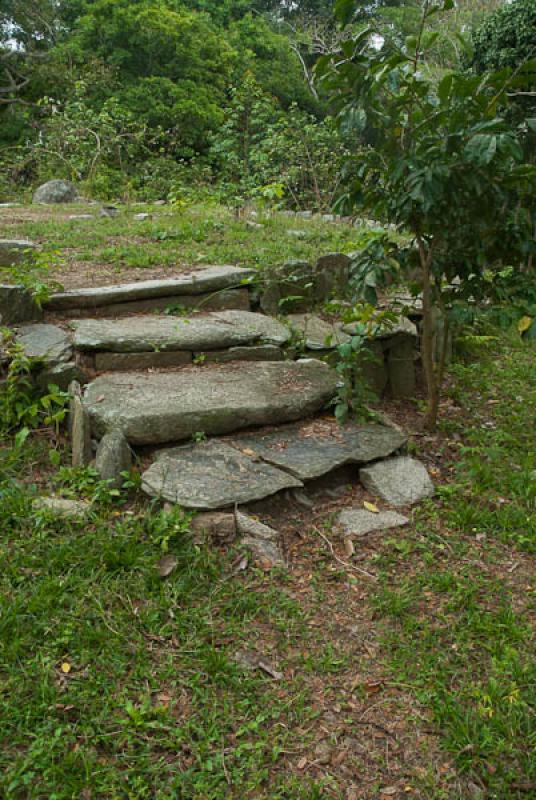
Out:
{"x": 224, "y": 681}
{"x": 85, "y": 252}
{"x": 115, "y": 682}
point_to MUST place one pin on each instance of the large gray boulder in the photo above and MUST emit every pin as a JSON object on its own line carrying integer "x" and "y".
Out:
{"x": 172, "y": 406}
{"x": 400, "y": 481}
{"x": 56, "y": 191}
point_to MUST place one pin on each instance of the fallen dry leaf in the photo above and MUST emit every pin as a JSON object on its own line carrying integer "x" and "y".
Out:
{"x": 302, "y": 763}
{"x": 373, "y": 687}
{"x": 371, "y": 507}
{"x": 266, "y": 667}
{"x": 65, "y": 667}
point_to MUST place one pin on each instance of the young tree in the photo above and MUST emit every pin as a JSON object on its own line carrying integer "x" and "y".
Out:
{"x": 445, "y": 166}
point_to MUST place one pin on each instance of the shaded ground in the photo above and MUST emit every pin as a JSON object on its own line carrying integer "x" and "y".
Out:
{"x": 418, "y": 682}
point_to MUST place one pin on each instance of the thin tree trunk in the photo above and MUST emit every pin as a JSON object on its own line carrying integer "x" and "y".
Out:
{"x": 427, "y": 346}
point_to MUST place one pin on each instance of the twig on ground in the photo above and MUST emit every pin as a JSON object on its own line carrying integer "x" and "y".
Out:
{"x": 340, "y": 560}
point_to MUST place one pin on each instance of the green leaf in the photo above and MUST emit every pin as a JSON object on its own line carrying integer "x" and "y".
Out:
{"x": 21, "y": 437}
{"x": 444, "y": 88}
{"x": 344, "y": 10}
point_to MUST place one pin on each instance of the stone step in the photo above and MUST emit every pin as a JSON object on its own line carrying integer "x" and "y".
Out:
{"x": 195, "y": 334}
{"x": 250, "y": 467}
{"x": 160, "y": 408}
{"x": 221, "y": 286}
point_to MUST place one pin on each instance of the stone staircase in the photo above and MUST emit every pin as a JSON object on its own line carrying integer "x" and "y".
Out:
{"x": 221, "y": 406}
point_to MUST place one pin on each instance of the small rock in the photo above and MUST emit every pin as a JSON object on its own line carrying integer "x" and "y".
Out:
{"x": 401, "y": 481}
{"x": 317, "y": 333}
{"x": 56, "y": 191}
{"x": 80, "y": 428}
{"x": 142, "y": 217}
{"x": 60, "y": 375}
{"x": 296, "y": 234}
{"x": 62, "y": 506}
{"x": 288, "y": 287}
{"x": 167, "y": 565}
{"x": 331, "y": 275}
{"x": 80, "y": 216}
{"x": 261, "y": 540}
{"x": 114, "y": 457}
{"x": 17, "y": 305}
{"x": 15, "y": 251}
{"x": 218, "y": 527}
{"x": 299, "y": 496}
{"x": 255, "y": 225}
{"x": 109, "y": 211}
{"x": 323, "y": 752}
{"x": 159, "y": 203}
{"x": 358, "y": 522}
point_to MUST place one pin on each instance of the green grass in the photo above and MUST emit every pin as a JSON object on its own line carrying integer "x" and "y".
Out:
{"x": 154, "y": 705}
{"x": 457, "y": 599}
{"x": 198, "y": 234}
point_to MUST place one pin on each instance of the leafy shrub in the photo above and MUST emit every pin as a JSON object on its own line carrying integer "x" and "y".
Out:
{"x": 22, "y": 405}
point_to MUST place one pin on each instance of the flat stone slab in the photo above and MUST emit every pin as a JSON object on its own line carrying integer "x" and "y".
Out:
{"x": 212, "y": 331}
{"x": 401, "y": 481}
{"x": 167, "y": 407}
{"x": 209, "y": 279}
{"x": 313, "y": 449}
{"x": 359, "y": 522}
{"x": 318, "y": 334}
{"x": 214, "y": 301}
{"x": 212, "y": 475}
{"x": 48, "y": 342}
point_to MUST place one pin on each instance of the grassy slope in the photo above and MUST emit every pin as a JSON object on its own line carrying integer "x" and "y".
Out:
{"x": 198, "y": 234}
{"x": 154, "y": 704}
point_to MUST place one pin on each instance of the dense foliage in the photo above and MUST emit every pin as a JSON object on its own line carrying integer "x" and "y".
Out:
{"x": 446, "y": 164}
{"x": 142, "y": 96}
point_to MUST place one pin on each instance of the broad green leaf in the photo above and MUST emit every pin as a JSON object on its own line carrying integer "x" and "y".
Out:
{"x": 344, "y": 10}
